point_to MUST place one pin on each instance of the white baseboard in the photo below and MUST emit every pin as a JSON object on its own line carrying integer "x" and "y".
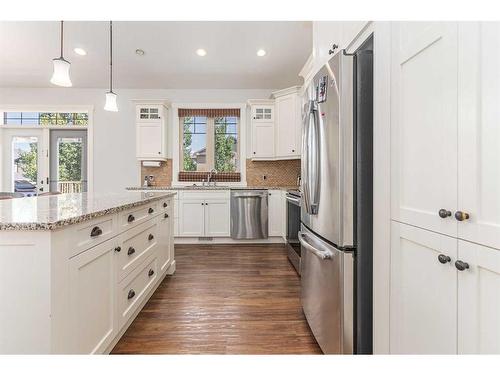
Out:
{"x": 225, "y": 240}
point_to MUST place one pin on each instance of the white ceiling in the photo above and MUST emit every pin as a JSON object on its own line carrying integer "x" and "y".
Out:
{"x": 170, "y": 61}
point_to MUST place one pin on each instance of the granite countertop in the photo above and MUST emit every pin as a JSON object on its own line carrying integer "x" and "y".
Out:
{"x": 56, "y": 211}
{"x": 221, "y": 187}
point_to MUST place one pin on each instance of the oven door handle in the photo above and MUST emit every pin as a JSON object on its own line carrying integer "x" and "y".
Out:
{"x": 290, "y": 199}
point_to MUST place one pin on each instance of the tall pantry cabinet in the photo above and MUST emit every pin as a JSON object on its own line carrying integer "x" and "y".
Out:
{"x": 445, "y": 178}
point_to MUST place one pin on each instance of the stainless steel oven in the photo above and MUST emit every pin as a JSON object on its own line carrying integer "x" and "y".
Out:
{"x": 293, "y": 198}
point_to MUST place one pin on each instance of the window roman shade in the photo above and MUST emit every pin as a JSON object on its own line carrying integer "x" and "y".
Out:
{"x": 209, "y": 112}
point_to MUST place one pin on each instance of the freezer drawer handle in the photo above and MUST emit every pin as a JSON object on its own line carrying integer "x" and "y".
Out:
{"x": 322, "y": 254}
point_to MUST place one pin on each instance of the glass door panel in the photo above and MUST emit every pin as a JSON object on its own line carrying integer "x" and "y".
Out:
{"x": 23, "y": 163}
{"x": 68, "y": 161}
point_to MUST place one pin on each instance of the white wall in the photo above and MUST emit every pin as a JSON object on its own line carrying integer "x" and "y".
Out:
{"x": 115, "y": 166}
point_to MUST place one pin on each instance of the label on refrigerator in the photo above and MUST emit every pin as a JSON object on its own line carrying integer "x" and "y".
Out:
{"x": 322, "y": 87}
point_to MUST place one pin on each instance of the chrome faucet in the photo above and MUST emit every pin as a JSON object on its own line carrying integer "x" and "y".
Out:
{"x": 210, "y": 175}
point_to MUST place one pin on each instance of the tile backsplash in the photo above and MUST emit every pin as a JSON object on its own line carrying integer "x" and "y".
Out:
{"x": 273, "y": 173}
{"x": 259, "y": 173}
{"x": 162, "y": 174}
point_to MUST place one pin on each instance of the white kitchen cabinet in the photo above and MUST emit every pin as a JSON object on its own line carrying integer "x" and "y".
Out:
{"x": 262, "y": 145}
{"x": 263, "y": 140}
{"x": 328, "y": 33}
{"x": 288, "y": 123}
{"x": 478, "y": 300}
{"x": 204, "y": 214}
{"x": 423, "y": 292}
{"x": 151, "y": 130}
{"x": 191, "y": 217}
{"x": 424, "y": 124}
{"x": 275, "y": 213}
{"x": 92, "y": 299}
{"x": 217, "y": 218}
{"x": 479, "y": 132}
{"x": 165, "y": 240}
{"x": 149, "y": 140}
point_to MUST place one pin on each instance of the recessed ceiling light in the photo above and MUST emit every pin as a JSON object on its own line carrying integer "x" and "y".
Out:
{"x": 80, "y": 51}
{"x": 201, "y": 52}
{"x": 139, "y": 52}
{"x": 261, "y": 53}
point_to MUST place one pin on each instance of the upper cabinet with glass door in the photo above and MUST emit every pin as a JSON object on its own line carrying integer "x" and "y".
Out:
{"x": 151, "y": 129}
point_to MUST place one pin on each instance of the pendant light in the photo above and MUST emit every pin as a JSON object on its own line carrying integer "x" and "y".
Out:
{"x": 110, "y": 95}
{"x": 60, "y": 77}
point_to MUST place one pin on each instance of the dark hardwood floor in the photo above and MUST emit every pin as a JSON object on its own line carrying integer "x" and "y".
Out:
{"x": 230, "y": 299}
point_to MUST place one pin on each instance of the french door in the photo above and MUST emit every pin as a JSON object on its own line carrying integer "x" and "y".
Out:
{"x": 25, "y": 161}
{"x": 68, "y": 161}
{"x": 36, "y": 161}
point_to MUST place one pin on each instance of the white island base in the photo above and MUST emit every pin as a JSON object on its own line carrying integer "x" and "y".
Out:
{"x": 75, "y": 285}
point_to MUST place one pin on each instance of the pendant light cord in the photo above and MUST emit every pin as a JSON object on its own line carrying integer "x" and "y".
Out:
{"x": 110, "y": 56}
{"x": 62, "y": 34}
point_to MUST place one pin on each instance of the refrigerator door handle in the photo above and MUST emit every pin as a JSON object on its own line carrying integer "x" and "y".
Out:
{"x": 311, "y": 159}
{"x": 322, "y": 254}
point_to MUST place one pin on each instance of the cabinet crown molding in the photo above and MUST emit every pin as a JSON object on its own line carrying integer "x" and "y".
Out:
{"x": 260, "y": 101}
{"x": 287, "y": 91}
{"x": 164, "y": 102}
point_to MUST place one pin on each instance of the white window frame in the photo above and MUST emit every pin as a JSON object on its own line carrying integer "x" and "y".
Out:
{"x": 46, "y": 129}
{"x": 177, "y": 140}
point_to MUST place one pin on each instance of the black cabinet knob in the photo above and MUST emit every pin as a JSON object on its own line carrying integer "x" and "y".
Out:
{"x": 254, "y": 152}
{"x": 151, "y": 272}
{"x": 96, "y": 231}
{"x": 118, "y": 249}
{"x": 165, "y": 216}
{"x": 444, "y": 258}
{"x": 131, "y": 250}
{"x": 443, "y": 213}
{"x": 293, "y": 150}
{"x": 332, "y": 50}
{"x": 131, "y": 294}
{"x": 130, "y": 218}
{"x": 165, "y": 205}
{"x": 461, "y": 216}
{"x": 461, "y": 266}
{"x": 151, "y": 237}
{"x": 151, "y": 210}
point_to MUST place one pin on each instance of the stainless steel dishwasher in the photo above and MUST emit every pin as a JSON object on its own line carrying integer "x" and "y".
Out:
{"x": 249, "y": 214}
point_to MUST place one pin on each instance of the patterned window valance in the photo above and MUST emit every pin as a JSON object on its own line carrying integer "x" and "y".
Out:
{"x": 209, "y": 112}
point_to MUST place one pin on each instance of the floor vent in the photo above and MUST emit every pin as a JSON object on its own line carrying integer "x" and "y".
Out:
{"x": 205, "y": 238}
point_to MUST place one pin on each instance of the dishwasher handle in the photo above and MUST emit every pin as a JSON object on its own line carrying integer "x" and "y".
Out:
{"x": 249, "y": 195}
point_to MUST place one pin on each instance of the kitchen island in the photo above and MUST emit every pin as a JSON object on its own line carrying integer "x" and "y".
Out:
{"x": 76, "y": 269}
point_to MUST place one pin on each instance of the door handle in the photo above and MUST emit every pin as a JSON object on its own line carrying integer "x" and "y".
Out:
{"x": 311, "y": 158}
{"x": 322, "y": 254}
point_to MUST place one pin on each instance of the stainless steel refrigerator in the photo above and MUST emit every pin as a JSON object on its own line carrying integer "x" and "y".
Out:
{"x": 336, "y": 219}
